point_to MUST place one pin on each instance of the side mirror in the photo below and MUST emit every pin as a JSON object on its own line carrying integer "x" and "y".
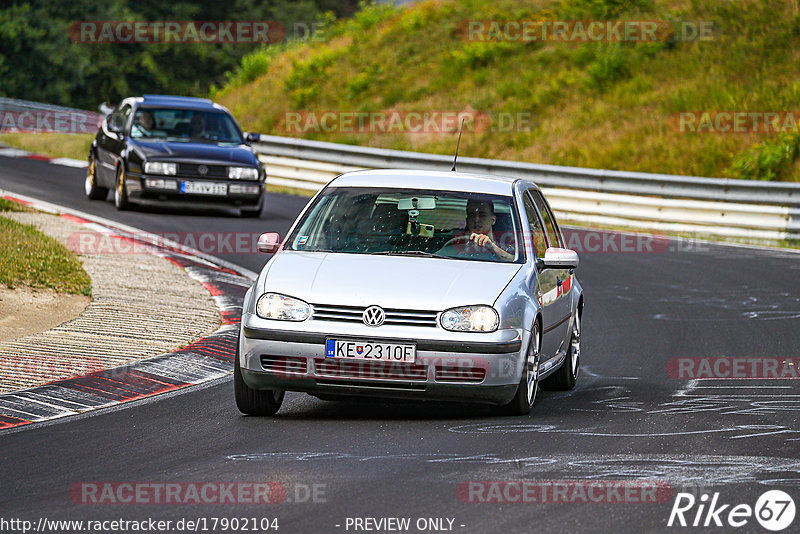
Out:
{"x": 114, "y": 127}
{"x": 560, "y": 258}
{"x": 252, "y": 137}
{"x": 269, "y": 243}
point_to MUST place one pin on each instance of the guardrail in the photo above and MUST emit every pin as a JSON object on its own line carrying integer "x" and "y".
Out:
{"x": 722, "y": 207}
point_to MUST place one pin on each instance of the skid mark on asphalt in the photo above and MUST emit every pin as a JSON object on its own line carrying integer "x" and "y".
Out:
{"x": 674, "y": 468}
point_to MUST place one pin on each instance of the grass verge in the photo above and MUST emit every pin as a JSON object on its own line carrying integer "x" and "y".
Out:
{"x": 56, "y": 145}
{"x": 29, "y": 257}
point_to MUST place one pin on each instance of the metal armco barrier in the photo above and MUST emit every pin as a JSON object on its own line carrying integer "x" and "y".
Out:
{"x": 713, "y": 206}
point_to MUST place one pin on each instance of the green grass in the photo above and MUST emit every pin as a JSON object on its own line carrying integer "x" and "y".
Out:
{"x": 28, "y": 257}
{"x": 602, "y": 105}
{"x": 56, "y": 145}
{"x": 10, "y": 205}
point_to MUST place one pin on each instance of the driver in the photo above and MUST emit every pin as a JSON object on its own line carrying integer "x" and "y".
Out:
{"x": 478, "y": 231}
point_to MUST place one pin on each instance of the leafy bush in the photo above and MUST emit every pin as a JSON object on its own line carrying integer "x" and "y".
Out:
{"x": 771, "y": 160}
{"x": 610, "y": 65}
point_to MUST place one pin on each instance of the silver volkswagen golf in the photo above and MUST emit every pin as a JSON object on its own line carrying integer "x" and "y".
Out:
{"x": 413, "y": 285}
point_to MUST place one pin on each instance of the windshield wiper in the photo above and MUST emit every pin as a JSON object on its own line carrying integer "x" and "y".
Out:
{"x": 411, "y": 253}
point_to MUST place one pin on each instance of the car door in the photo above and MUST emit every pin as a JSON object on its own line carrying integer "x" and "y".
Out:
{"x": 543, "y": 282}
{"x": 561, "y": 279}
{"x": 110, "y": 144}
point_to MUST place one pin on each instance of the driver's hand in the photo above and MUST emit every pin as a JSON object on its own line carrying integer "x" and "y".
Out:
{"x": 481, "y": 240}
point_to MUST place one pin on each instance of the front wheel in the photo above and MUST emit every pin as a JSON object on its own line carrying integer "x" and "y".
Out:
{"x": 523, "y": 401}
{"x": 254, "y": 401}
{"x": 120, "y": 192}
{"x": 90, "y": 187}
{"x": 567, "y": 374}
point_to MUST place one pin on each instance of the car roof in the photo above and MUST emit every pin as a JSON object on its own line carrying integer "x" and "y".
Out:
{"x": 179, "y": 102}
{"x": 437, "y": 180}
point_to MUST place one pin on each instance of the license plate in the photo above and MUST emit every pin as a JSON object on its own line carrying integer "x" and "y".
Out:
{"x": 203, "y": 188}
{"x": 368, "y": 350}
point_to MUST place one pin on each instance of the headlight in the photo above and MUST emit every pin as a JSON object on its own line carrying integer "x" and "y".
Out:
{"x": 160, "y": 167}
{"x": 282, "y": 308}
{"x": 243, "y": 173}
{"x": 470, "y": 319}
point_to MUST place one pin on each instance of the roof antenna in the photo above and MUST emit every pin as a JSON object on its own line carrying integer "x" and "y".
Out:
{"x": 458, "y": 145}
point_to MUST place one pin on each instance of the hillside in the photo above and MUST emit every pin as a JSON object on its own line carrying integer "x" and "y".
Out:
{"x": 574, "y": 101}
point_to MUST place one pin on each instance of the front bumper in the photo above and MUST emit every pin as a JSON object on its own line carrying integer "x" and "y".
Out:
{"x": 139, "y": 194}
{"x": 480, "y": 371}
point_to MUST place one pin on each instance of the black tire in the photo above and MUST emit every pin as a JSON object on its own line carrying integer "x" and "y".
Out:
{"x": 90, "y": 187}
{"x": 528, "y": 386}
{"x": 254, "y": 401}
{"x": 120, "y": 193}
{"x": 567, "y": 375}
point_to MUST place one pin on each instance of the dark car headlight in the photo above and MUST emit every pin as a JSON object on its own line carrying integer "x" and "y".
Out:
{"x": 243, "y": 173}
{"x": 161, "y": 167}
{"x": 470, "y": 319}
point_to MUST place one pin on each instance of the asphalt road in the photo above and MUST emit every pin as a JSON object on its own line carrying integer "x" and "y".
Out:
{"x": 629, "y": 418}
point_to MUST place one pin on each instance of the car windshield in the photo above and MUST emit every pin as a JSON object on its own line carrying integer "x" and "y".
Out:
{"x": 413, "y": 222}
{"x": 185, "y": 125}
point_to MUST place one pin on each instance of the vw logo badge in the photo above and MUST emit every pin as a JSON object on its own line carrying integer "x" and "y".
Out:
{"x": 202, "y": 170}
{"x": 373, "y": 316}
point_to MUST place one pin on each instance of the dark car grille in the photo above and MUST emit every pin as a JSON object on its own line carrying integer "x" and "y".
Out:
{"x": 212, "y": 171}
{"x": 353, "y": 314}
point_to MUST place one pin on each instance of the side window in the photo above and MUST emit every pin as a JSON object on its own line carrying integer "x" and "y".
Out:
{"x": 553, "y": 235}
{"x": 537, "y": 233}
{"x": 120, "y": 116}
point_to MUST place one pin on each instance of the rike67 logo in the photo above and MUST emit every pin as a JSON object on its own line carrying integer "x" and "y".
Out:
{"x": 774, "y": 510}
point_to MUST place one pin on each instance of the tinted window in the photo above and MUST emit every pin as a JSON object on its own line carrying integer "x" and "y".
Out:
{"x": 185, "y": 125}
{"x": 119, "y": 116}
{"x": 537, "y": 233}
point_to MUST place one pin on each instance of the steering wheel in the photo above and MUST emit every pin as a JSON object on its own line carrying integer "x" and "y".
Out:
{"x": 476, "y": 251}
{"x": 455, "y": 240}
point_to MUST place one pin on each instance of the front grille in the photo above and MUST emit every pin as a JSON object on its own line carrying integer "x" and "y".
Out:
{"x": 192, "y": 169}
{"x": 284, "y": 365}
{"x": 395, "y": 317}
{"x": 370, "y": 370}
{"x": 456, "y": 373}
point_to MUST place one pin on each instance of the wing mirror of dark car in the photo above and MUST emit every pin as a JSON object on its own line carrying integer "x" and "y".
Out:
{"x": 559, "y": 258}
{"x": 269, "y": 243}
{"x": 114, "y": 127}
{"x": 252, "y": 137}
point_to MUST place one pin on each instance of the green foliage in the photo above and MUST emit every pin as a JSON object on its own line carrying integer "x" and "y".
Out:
{"x": 42, "y": 60}
{"x": 771, "y": 160}
{"x": 611, "y": 65}
{"x": 593, "y": 104}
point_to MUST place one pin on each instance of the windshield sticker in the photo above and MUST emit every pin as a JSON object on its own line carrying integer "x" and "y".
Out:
{"x": 301, "y": 240}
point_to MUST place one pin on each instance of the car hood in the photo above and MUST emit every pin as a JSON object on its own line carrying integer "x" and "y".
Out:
{"x": 388, "y": 281}
{"x": 195, "y": 152}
